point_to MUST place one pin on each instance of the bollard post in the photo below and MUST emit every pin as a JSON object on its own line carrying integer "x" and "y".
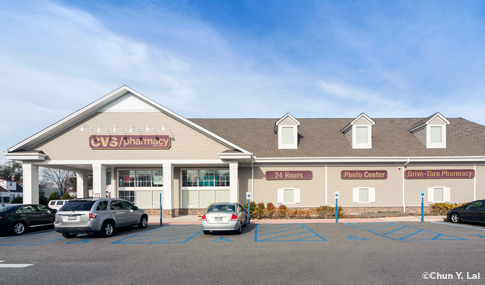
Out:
{"x": 336, "y": 211}
{"x": 422, "y": 209}
{"x": 249, "y": 211}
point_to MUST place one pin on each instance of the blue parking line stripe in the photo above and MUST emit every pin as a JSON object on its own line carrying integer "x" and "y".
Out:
{"x": 275, "y": 228}
{"x": 280, "y": 232}
{"x": 382, "y": 226}
{"x": 436, "y": 237}
{"x": 410, "y": 235}
{"x": 164, "y": 236}
{"x": 313, "y": 232}
{"x": 284, "y": 236}
{"x": 369, "y": 225}
{"x": 395, "y": 230}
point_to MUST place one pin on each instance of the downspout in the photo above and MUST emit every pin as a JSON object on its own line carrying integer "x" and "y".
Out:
{"x": 252, "y": 179}
{"x": 403, "y": 196}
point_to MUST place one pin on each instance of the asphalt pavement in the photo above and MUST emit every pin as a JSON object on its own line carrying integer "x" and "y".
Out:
{"x": 350, "y": 252}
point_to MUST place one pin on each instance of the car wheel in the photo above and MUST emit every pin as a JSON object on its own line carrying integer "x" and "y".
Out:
{"x": 19, "y": 228}
{"x": 245, "y": 222}
{"x": 207, "y": 232}
{"x": 455, "y": 218}
{"x": 68, "y": 235}
{"x": 107, "y": 229}
{"x": 143, "y": 222}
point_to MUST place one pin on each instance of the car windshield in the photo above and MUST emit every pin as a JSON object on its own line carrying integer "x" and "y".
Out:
{"x": 221, "y": 208}
{"x": 4, "y": 208}
{"x": 78, "y": 206}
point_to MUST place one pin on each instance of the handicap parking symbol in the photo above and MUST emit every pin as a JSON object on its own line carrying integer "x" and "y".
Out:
{"x": 222, "y": 239}
{"x": 357, "y": 238}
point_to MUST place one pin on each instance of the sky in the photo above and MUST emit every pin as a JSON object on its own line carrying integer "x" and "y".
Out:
{"x": 242, "y": 59}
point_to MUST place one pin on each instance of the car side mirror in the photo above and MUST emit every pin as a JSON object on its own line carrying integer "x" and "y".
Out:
{"x": 136, "y": 208}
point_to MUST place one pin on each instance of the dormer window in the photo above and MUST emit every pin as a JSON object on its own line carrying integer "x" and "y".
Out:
{"x": 431, "y": 131}
{"x": 287, "y": 130}
{"x": 359, "y": 132}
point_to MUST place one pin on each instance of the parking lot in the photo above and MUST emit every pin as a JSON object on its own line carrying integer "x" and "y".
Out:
{"x": 376, "y": 252}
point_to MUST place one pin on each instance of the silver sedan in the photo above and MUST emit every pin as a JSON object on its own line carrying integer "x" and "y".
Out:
{"x": 224, "y": 217}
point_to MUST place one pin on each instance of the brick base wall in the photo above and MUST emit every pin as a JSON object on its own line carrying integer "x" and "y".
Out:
{"x": 366, "y": 210}
{"x": 165, "y": 213}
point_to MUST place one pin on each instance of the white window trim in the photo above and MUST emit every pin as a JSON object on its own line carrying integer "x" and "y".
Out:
{"x": 281, "y": 196}
{"x": 356, "y": 145}
{"x": 429, "y": 144}
{"x": 372, "y": 195}
{"x": 293, "y": 145}
{"x": 446, "y": 194}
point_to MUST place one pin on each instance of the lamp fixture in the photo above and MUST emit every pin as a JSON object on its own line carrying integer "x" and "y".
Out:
{"x": 114, "y": 129}
{"x": 82, "y": 128}
{"x": 99, "y": 130}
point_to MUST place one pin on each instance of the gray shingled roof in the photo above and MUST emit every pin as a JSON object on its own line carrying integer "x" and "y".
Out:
{"x": 322, "y": 138}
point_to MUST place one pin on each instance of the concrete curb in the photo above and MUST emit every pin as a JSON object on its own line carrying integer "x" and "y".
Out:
{"x": 195, "y": 220}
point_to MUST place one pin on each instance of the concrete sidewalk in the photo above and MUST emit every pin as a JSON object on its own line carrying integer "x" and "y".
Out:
{"x": 194, "y": 219}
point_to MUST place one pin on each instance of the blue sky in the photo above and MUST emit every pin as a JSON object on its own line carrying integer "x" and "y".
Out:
{"x": 242, "y": 59}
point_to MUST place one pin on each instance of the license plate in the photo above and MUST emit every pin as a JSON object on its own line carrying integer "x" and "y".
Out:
{"x": 71, "y": 218}
{"x": 218, "y": 219}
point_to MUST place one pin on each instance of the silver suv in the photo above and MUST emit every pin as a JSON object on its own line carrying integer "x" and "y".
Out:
{"x": 101, "y": 215}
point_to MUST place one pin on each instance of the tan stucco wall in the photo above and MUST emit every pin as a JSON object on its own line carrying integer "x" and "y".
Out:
{"x": 72, "y": 144}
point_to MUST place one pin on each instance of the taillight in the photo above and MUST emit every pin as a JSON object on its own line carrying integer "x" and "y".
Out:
{"x": 204, "y": 218}
{"x": 234, "y": 217}
{"x": 92, "y": 216}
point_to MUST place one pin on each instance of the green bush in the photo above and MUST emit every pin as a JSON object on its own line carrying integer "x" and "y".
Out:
{"x": 253, "y": 210}
{"x": 443, "y": 208}
{"x": 328, "y": 211}
{"x": 66, "y": 196}
{"x": 54, "y": 196}
{"x": 17, "y": 200}
{"x": 43, "y": 200}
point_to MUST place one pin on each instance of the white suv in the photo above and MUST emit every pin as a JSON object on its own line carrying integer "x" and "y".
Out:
{"x": 57, "y": 204}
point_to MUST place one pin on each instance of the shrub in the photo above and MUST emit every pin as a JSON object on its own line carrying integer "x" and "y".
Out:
{"x": 282, "y": 211}
{"x": 261, "y": 211}
{"x": 43, "y": 200}
{"x": 327, "y": 211}
{"x": 271, "y": 210}
{"x": 442, "y": 208}
{"x": 66, "y": 196}
{"x": 54, "y": 196}
{"x": 17, "y": 200}
{"x": 254, "y": 209}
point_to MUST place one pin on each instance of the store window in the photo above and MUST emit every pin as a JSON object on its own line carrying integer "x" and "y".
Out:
{"x": 128, "y": 196}
{"x": 140, "y": 178}
{"x": 108, "y": 178}
{"x": 202, "y": 187}
{"x": 364, "y": 195}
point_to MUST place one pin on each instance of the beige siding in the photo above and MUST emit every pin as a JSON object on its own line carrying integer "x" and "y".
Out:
{"x": 436, "y": 121}
{"x": 461, "y": 190}
{"x": 362, "y": 122}
{"x": 312, "y": 192}
{"x": 388, "y": 192}
{"x": 287, "y": 122}
{"x": 421, "y": 135}
{"x": 73, "y": 144}
{"x": 480, "y": 180}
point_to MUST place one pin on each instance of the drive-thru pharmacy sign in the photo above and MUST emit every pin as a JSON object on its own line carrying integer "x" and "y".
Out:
{"x": 129, "y": 142}
{"x": 440, "y": 174}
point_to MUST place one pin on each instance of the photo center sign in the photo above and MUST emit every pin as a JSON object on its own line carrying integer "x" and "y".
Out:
{"x": 129, "y": 142}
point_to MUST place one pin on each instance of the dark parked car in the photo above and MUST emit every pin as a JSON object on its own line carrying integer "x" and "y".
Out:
{"x": 17, "y": 218}
{"x": 471, "y": 212}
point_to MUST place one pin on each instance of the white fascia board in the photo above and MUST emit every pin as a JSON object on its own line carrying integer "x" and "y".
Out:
{"x": 235, "y": 155}
{"x": 130, "y": 162}
{"x": 26, "y": 156}
{"x": 440, "y": 116}
{"x": 363, "y": 115}
{"x": 89, "y": 109}
{"x": 368, "y": 159}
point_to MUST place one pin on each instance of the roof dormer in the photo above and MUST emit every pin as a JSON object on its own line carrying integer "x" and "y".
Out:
{"x": 431, "y": 131}
{"x": 359, "y": 132}
{"x": 287, "y": 130}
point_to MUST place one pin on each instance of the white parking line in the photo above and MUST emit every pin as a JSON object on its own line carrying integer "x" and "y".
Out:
{"x": 447, "y": 224}
{"x": 3, "y": 265}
